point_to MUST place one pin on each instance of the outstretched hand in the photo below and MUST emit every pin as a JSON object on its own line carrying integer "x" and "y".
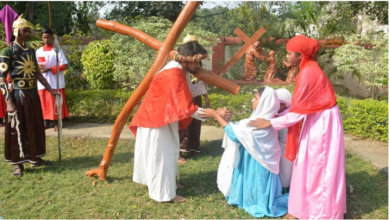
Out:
{"x": 226, "y": 114}
{"x": 259, "y": 123}
{"x": 207, "y": 113}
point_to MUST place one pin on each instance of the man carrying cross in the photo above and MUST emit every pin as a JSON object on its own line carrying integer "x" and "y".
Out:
{"x": 166, "y": 108}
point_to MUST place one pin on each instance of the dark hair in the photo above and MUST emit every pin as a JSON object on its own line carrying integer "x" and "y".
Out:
{"x": 191, "y": 48}
{"x": 261, "y": 90}
{"x": 47, "y": 31}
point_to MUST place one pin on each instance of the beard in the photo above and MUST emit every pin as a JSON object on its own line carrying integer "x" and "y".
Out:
{"x": 192, "y": 71}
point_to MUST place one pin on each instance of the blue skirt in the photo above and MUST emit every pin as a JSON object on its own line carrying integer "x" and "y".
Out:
{"x": 256, "y": 190}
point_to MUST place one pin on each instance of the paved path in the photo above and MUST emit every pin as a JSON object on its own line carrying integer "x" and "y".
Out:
{"x": 372, "y": 151}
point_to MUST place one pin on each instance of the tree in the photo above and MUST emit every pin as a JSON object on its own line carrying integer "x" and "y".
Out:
{"x": 374, "y": 9}
{"x": 163, "y": 9}
{"x": 218, "y": 20}
{"x": 86, "y": 14}
{"x": 65, "y": 16}
{"x": 38, "y": 13}
{"x": 321, "y": 20}
{"x": 366, "y": 58}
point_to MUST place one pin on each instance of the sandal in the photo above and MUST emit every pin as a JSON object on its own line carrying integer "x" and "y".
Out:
{"x": 41, "y": 162}
{"x": 20, "y": 172}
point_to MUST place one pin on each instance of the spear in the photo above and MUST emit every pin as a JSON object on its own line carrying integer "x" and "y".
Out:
{"x": 56, "y": 49}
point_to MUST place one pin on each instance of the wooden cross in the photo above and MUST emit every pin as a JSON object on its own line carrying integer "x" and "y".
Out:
{"x": 164, "y": 50}
{"x": 161, "y": 58}
{"x": 248, "y": 42}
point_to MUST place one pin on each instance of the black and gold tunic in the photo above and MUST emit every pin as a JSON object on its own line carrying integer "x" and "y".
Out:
{"x": 22, "y": 65}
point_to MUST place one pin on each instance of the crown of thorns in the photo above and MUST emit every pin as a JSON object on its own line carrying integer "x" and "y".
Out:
{"x": 190, "y": 59}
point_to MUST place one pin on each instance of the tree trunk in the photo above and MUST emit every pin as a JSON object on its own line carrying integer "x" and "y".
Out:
{"x": 29, "y": 13}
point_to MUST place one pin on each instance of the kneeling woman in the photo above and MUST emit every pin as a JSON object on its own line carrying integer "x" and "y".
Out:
{"x": 249, "y": 168}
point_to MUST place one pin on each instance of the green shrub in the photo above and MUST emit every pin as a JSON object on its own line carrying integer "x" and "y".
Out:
{"x": 98, "y": 62}
{"x": 99, "y": 106}
{"x": 74, "y": 78}
{"x": 365, "y": 118}
{"x": 240, "y": 105}
{"x": 362, "y": 118}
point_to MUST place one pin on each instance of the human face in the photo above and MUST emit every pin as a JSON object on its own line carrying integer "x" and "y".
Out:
{"x": 47, "y": 38}
{"x": 282, "y": 107}
{"x": 293, "y": 58}
{"x": 255, "y": 100}
{"x": 193, "y": 67}
{"x": 24, "y": 33}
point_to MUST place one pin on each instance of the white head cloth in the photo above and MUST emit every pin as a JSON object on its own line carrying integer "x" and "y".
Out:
{"x": 285, "y": 97}
{"x": 262, "y": 145}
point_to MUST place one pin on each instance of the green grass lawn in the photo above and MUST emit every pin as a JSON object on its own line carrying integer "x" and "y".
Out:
{"x": 63, "y": 190}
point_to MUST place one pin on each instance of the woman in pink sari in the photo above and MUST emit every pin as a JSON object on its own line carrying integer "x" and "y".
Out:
{"x": 318, "y": 187}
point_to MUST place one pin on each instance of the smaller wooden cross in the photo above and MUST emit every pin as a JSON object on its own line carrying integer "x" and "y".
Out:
{"x": 248, "y": 42}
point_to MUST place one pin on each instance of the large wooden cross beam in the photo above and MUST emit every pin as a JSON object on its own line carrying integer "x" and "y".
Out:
{"x": 248, "y": 42}
{"x": 161, "y": 58}
{"x": 164, "y": 50}
{"x": 156, "y": 45}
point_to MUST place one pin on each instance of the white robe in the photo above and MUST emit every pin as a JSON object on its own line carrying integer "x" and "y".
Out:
{"x": 156, "y": 153}
{"x": 51, "y": 60}
{"x": 262, "y": 145}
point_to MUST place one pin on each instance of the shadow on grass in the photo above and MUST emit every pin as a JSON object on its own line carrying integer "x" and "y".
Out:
{"x": 197, "y": 184}
{"x": 208, "y": 149}
{"x": 81, "y": 163}
{"x": 366, "y": 193}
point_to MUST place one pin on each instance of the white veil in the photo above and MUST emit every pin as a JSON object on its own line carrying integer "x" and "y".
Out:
{"x": 262, "y": 145}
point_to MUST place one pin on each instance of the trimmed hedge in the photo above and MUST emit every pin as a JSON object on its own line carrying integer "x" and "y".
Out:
{"x": 363, "y": 118}
{"x": 97, "y": 106}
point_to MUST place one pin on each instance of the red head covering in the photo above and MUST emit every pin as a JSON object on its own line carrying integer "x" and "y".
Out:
{"x": 313, "y": 91}
{"x": 304, "y": 45}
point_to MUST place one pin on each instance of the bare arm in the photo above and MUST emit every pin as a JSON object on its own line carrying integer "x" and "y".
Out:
{"x": 210, "y": 113}
{"x": 286, "y": 64}
{"x": 207, "y": 101}
{"x": 259, "y": 123}
{"x": 9, "y": 103}
{"x": 44, "y": 82}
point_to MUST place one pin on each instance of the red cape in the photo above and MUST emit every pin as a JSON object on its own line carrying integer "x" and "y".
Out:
{"x": 2, "y": 107}
{"x": 313, "y": 93}
{"x": 167, "y": 100}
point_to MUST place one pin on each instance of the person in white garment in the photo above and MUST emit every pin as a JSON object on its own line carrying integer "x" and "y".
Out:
{"x": 285, "y": 166}
{"x": 167, "y": 107}
{"x": 190, "y": 136}
{"x": 46, "y": 58}
{"x": 248, "y": 174}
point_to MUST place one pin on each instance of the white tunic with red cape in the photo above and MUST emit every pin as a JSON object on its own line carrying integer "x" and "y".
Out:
{"x": 166, "y": 108}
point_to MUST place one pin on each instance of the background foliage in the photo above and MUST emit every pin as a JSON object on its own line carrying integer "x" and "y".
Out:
{"x": 98, "y": 61}
{"x": 74, "y": 77}
{"x": 366, "y": 58}
{"x": 133, "y": 58}
{"x": 363, "y": 118}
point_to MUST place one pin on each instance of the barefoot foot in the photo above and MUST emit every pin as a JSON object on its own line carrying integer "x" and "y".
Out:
{"x": 289, "y": 216}
{"x": 178, "y": 186}
{"x": 182, "y": 160}
{"x": 178, "y": 199}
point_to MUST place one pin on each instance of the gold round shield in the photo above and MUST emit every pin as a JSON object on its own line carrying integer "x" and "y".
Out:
{"x": 31, "y": 83}
{"x": 21, "y": 83}
{"x": 3, "y": 67}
